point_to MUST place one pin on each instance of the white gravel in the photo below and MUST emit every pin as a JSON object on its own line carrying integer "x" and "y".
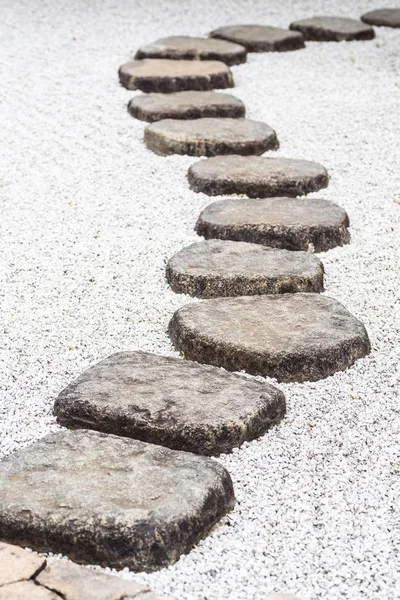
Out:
{"x": 90, "y": 217}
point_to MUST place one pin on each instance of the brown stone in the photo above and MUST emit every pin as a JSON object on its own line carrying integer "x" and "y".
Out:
{"x": 261, "y": 38}
{"x": 17, "y": 564}
{"x": 386, "y": 17}
{"x": 333, "y": 29}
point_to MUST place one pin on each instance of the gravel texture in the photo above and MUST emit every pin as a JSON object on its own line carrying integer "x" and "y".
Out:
{"x": 90, "y": 217}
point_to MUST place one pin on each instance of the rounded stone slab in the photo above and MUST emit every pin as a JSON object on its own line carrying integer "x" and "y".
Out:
{"x": 333, "y": 29}
{"x": 111, "y": 501}
{"x": 291, "y": 223}
{"x": 164, "y": 75}
{"x": 210, "y": 137}
{"x": 185, "y": 105}
{"x": 194, "y": 48}
{"x": 256, "y": 176}
{"x": 223, "y": 268}
{"x": 292, "y": 337}
{"x": 387, "y": 17}
{"x": 261, "y": 38}
{"x": 168, "y": 401}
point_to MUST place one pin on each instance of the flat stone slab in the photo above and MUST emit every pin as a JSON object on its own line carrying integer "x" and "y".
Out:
{"x": 261, "y": 38}
{"x": 223, "y": 268}
{"x": 256, "y": 176}
{"x": 17, "y": 564}
{"x": 183, "y": 47}
{"x": 210, "y": 137}
{"x": 163, "y": 75}
{"x": 291, "y": 223}
{"x": 107, "y": 500}
{"x": 185, "y": 105}
{"x": 333, "y": 29}
{"x": 169, "y": 401}
{"x": 292, "y": 337}
{"x": 26, "y": 590}
{"x": 386, "y": 17}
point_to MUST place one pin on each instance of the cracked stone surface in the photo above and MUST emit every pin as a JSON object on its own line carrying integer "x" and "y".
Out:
{"x": 261, "y": 38}
{"x": 292, "y": 337}
{"x": 387, "y": 17}
{"x": 17, "y": 564}
{"x": 223, "y": 268}
{"x": 169, "y": 401}
{"x": 165, "y": 75}
{"x": 291, "y": 223}
{"x": 26, "y": 590}
{"x": 210, "y": 137}
{"x": 112, "y": 501}
{"x": 333, "y": 29}
{"x": 256, "y": 176}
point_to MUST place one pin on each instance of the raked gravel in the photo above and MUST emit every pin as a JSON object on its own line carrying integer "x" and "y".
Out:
{"x": 89, "y": 218}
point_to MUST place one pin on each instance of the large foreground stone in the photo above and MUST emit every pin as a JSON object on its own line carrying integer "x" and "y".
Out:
{"x": 210, "y": 137}
{"x": 387, "y": 17}
{"x": 17, "y": 564}
{"x": 26, "y": 590}
{"x": 168, "y": 401}
{"x": 185, "y": 105}
{"x": 108, "y": 500}
{"x": 218, "y": 268}
{"x": 291, "y": 223}
{"x": 261, "y": 38}
{"x": 292, "y": 337}
{"x": 194, "y": 48}
{"x": 163, "y": 75}
{"x": 256, "y": 176}
{"x": 333, "y": 29}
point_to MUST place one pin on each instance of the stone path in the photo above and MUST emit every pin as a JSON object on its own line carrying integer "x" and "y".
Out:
{"x": 223, "y": 268}
{"x": 210, "y": 137}
{"x": 333, "y": 29}
{"x": 387, "y": 17}
{"x": 291, "y": 223}
{"x": 261, "y": 38}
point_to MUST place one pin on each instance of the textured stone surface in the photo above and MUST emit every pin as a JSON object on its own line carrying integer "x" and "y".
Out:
{"x": 333, "y": 29}
{"x": 163, "y": 75}
{"x": 291, "y": 223}
{"x": 210, "y": 137}
{"x": 293, "y": 337}
{"x": 256, "y": 176}
{"x": 388, "y": 17}
{"x": 261, "y": 38}
{"x": 17, "y": 564}
{"x": 194, "y": 48}
{"x": 109, "y": 500}
{"x": 168, "y": 401}
{"x": 185, "y": 105}
{"x": 26, "y": 590}
{"x": 223, "y": 268}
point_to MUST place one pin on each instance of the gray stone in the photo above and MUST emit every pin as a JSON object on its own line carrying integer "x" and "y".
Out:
{"x": 17, "y": 564}
{"x": 261, "y": 38}
{"x": 333, "y": 29}
{"x": 210, "y": 137}
{"x": 387, "y": 17}
{"x": 184, "y": 47}
{"x": 168, "y": 401}
{"x": 109, "y": 500}
{"x": 292, "y": 337}
{"x": 256, "y": 176}
{"x": 291, "y": 223}
{"x": 164, "y": 75}
{"x": 185, "y": 105}
{"x": 222, "y": 268}
{"x": 26, "y": 590}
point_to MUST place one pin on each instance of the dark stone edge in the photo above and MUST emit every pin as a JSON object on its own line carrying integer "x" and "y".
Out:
{"x": 220, "y": 112}
{"x": 324, "y": 35}
{"x": 288, "y": 45}
{"x": 176, "y": 84}
{"x": 230, "y": 59}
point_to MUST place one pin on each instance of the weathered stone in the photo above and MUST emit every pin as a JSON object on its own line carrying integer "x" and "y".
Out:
{"x": 26, "y": 590}
{"x": 387, "y": 17}
{"x": 168, "y": 401}
{"x": 223, "y": 268}
{"x": 17, "y": 564}
{"x": 333, "y": 29}
{"x": 292, "y": 337}
{"x": 210, "y": 137}
{"x": 256, "y": 176}
{"x": 185, "y": 105}
{"x": 291, "y": 223}
{"x": 163, "y": 75}
{"x": 261, "y": 38}
{"x": 193, "y": 48}
{"x": 109, "y": 500}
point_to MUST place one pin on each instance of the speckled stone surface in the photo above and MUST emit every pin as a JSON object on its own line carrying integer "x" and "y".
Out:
{"x": 333, "y": 29}
{"x": 261, "y": 38}
{"x": 387, "y": 17}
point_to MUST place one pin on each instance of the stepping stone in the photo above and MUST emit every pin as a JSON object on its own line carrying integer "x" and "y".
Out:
{"x": 387, "y": 17}
{"x": 291, "y": 223}
{"x": 261, "y": 38}
{"x": 292, "y": 337}
{"x": 18, "y": 564}
{"x": 185, "y": 105}
{"x": 163, "y": 75}
{"x": 183, "y": 47}
{"x": 256, "y": 176}
{"x": 210, "y": 137}
{"x": 110, "y": 501}
{"x": 218, "y": 268}
{"x": 26, "y": 590}
{"x": 333, "y": 29}
{"x": 168, "y": 401}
